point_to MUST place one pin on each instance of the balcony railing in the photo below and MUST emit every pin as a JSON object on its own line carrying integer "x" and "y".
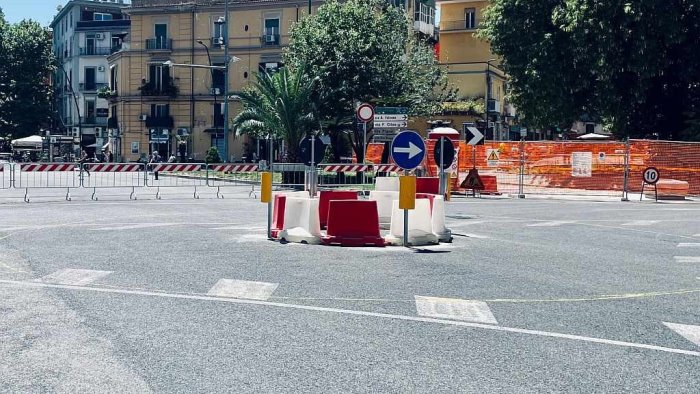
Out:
{"x": 167, "y": 89}
{"x": 456, "y": 25}
{"x": 159, "y": 44}
{"x": 160, "y": 121}
{"x": 93, "y": 87}
{"x": 95, "y": 51}
{"x": 100, "y": 121}
{"x": 113, "y": 24}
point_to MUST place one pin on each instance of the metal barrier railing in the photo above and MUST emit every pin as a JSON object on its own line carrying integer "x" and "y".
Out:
{"x": 289, "y": 175}
{"x": 114, "y": 175}
{"x": 226, "y": 175}
{"x": 346, "y": 176}
{"x": 176, "y": 175}
{"x": 6, "y": 175}
{"x": 48, "y": 176}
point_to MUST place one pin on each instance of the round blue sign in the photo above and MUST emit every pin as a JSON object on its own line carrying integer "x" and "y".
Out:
{"x": 408, "y": 149}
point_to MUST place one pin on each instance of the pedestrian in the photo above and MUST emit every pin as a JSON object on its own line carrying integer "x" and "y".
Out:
{"x": 155, "y": 158}
{"x": 172, "y": 159}
{"x": 108, "y": 156}
{"x": 84, "y": 159}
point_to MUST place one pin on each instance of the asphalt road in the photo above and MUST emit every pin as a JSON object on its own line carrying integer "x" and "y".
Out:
{"x": 125, "y": 296}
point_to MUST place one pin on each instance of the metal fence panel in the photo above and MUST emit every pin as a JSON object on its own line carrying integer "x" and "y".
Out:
{"x": 346, "y": 176}
{"x": 289, "y": 175}
{"x": 48, "y": 176}
{"x": 679, "y": 161}
{"x": 114, "y": 175}
{"x": 176, "y": 175}
{"x": 228, "y": 175}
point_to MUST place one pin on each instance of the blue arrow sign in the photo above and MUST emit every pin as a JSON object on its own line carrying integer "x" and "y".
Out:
{"x": 408, "y": 149}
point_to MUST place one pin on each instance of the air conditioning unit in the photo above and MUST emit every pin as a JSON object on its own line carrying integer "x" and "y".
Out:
{"x": 100, "y": 36}
{"x": 494, "y": 106}
{"x": 75, "y": 132}
{"x": 218, "y": 41}
{"x": 98, "y": 130}
{"x": 143, "y": 117}
{"x": 101, "y": 69}
{"x": 216, "y": 91}
{"x": 270, "y": 38}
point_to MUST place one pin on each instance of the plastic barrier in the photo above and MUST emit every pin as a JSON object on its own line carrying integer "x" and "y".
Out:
{"x": 345, "y": 175}
{"x": 420, "y": 227}
{"x": 353, "y": 223}
{"x": 176, "y": 175}
{"x": 490, "y": 184}
{"x": 428, "y": 185}
{"x": 48, "y": 176}
{"x": 114, "y": 175}
{"x": 301, "y": 223}
{"x": 232, "y": 175}
{"x": 386, "y": 184}
{"x": 385, "y": 200}
{"x": 668, "y": 189}
{"x": 278, "y": 208}
{"x": 325, "y": 196}
{"x": 437, "y": 219}
{"x": 6, "y": 175}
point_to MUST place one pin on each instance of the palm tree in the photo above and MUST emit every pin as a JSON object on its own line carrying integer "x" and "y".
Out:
{"x": 279, "y": 105}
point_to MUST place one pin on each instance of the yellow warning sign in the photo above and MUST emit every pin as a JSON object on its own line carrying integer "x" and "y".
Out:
{"x": 492, "y": 157}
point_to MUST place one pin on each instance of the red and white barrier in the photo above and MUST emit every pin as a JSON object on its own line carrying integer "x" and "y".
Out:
{"x": 113, "y": 167}
{"x": 346, "y": 167}
{"x": 233, "y": 167}
{"x": 175, "y": 167}
{"x": 47, "y": 167}
{"x": 387, "y": 168}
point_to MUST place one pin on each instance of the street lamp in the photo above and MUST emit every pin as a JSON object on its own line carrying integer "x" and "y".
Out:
{"x": 77, "y": 107}
{"x": 213, "y": 89}
{"x": 488, "y": 86}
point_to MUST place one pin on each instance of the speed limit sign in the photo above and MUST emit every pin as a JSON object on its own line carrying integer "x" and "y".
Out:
{"x": 651, "y": 175}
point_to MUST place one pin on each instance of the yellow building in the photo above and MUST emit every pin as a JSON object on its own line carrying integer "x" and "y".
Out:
{"x": 178, "y": 110}
{"x": 471, "y": 66}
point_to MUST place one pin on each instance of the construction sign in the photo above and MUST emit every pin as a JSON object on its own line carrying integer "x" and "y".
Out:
{"x": 472, "y": 181}
{"x": 492, "y": 157}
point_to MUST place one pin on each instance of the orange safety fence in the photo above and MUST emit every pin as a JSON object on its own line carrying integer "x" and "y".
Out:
{"x": 553, "y": 167}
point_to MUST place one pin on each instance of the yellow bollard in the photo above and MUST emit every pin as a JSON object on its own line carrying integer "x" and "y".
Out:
{"x": 407, "y": 192}
{"x": 266, "y": 187}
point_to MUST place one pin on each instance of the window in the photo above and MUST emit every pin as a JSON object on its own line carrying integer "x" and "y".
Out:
{"x": 159, "y": 76}
{"x": 99, "y": 16}
{"x": 423, "y": 13}
{"x": 218, "y": 79}
{"x": 217, "y": 30}
{"x": 269, "y": 67}
{"x": 219, "y": 115}
{"x": 134, "y": 147}
{"x": 116, "y": 42}
{"x": 160, "y": 110}
{"x": 113, "y": 78}
{"x": 90, "y": 111}
{"x": 271, "y": 35}
{"x": 90, "y": 81}
{"x": 470, "y": 18}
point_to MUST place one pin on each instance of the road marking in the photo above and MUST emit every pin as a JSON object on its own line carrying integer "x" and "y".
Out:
{"x": 454, "y": 309}
{"x": 243, "y": 289}
{"x": 641, "y": 223}
{"x": 242, "y": 228}
{"x": 553, "y": 223}
{"x": 687, "y": 259}
{"x": 470, "y": 235}
{"x": 134, "y": 226}
{"x": 691, "y": 333}
{"x": 252, "y": 238}
{"x": 689, "y": 245}
{"x": 74, "y": 277}
{"x": 362, "y": 313}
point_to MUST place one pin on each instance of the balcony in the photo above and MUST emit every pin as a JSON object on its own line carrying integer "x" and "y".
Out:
{"x": 95, "y": 51}
{"x": 117, "y": 24}
{"x": 160, "y": 121}
{"x": 91, "y": 87}
{"x": 167, "y": 89}
{"x": 460, "y": 25}
{"x": 93, "y": 120}
{"x": 159, "y": 44}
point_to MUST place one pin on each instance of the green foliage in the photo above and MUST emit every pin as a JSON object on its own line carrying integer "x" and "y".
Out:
{"x": 365, "y": 51}
{"x": 278, "y": 104}
{"x": 25, "y": 67}
{"x": 633, "y": 63}
{"x": 106, "y": 93}
{"x": 474, "y": 106}
{"x": 212, "y": 156}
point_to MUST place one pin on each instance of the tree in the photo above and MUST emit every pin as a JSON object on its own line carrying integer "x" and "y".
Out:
{"x": 632, "y": 63}
{"x": 280, "y": 105}
{"x": 25, "y": 88}
{"x": 365, "y": 51}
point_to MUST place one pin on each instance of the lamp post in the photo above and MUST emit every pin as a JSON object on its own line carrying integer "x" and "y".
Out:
{"x": 77, "y": 107}
{"x": 214, "y": 90}
{"x": 488, "y": 86}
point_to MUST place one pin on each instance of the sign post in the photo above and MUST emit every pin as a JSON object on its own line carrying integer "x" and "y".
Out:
{"x": 365, "y": 113}
{"x": 310, "y": 150}
{"x": 444, "y": 154}
{"x": 650, "y": 176}
{"x": 408, "y": 152}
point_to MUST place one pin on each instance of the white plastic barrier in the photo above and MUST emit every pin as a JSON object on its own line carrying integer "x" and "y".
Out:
{"x": 6, "y": 171}
{"x": 387, "y": 184}
{"x": 420, "y": 226}
{"x": 438, "y": 220}
{"x": 384, "y": 200}
{"x": 301, "y": 221}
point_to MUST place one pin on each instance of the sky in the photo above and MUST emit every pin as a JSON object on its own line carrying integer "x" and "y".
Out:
{"x": 41, "y": 11}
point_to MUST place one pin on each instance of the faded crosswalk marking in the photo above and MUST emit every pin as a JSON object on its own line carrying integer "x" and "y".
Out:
{"x": 134, "y": 226}
{"x": 689, "y": 245}
{"x": 243, "y": 289}
{"x": 691, "y": 333}
{"x": 687, "y": 259}
{"x": 455, "y": 309}
{"x": 641, "y": 223}
{"x": 553, "y": 223}
{"x": 74, "y": 277}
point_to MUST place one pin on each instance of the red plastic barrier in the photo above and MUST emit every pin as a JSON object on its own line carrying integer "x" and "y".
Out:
{"x": 490, "y": 184}
{"x": 428, "y": 185}
{"x": 353, "y": 223}
{"x": 278, "y": 215}
{"x": 326, "y": 197}
{"x": 430, "y": 197}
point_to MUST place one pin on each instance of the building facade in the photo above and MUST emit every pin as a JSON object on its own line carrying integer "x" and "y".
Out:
{"x": 85, "y": 32}
{"x": 472, "y": 68}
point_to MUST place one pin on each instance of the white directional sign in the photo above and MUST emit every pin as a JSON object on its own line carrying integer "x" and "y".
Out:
{"x": 477, "y": 136}
{"x": 390, "y": 117}
{"x": 390, "y": 124}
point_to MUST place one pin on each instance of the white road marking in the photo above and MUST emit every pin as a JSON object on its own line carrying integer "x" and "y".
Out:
{"x": 454, "y": 309}
{"x": 134, "y": 226}
{"x": 243, "y": 289}
{"x": 74, "y": 277}
{"x": 689, "y": 245}
{"x": 641, "y": 223}
{"x": 687, "y": 259}
{"x": 696, "y": 235}
{"x": 691, "y": 333}
{"x": 553, "y": 223}
{"x": 470, "y": 235}
{"x": 362, "y": 313}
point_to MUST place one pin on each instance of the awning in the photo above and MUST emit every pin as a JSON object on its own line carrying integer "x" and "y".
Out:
{"x": 594, "y": 136}
{"x": 34, "y": 142}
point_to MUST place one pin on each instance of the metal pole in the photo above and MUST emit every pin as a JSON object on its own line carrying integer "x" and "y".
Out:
{"x": 442, "y": 170}
{"x": 521, "y": 186}
{"x": 226, "y": 69}
{"x": 312, "y": 171}
{"x": 625, "y": 196}
{"x": 488, "y": 70}
{"x": 405, "y": 221}
{"x": 364, "y": 152}
{"x": 269, "y": 203}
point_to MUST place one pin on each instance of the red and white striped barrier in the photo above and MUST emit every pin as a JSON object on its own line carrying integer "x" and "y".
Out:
{"x": 175, "y": 167}
{"x": 387, "y": 168}
{"x": 44, "y": 167}
{"x": 233, "y": 167}
{"x": 346, "y": 167}
{"x": 114, "y": 167}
